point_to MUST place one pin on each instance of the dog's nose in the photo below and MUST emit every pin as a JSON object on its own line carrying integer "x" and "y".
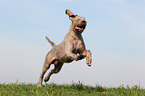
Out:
{"x": 83, "y": 21}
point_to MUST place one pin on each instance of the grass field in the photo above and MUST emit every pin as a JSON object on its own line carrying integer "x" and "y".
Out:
{"x": 77, "y": 89}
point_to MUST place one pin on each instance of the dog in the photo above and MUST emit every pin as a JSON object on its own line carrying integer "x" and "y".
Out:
{"x": 70, "y": 49}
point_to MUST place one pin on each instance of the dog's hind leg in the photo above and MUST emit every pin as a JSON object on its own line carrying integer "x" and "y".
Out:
{"x": 46, "y": 66}
{"x": 44, "y": 69}
{"x": 58, "y": 66}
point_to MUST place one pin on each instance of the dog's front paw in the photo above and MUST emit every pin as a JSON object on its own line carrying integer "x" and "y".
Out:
{"x": 76, "y": 58}
{"x": 89, "y": 61}
{"x": 89, "y": 58}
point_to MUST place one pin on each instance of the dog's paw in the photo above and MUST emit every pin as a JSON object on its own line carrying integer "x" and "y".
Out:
{"x": 89, "y": 59}
{"x": 76, "y": 57}
{"x": 39, "y": 86}
{"x": 46, "y": 79}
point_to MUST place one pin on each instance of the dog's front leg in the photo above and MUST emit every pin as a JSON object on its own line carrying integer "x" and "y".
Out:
{"x": 88, "y": 55}
{"x": 69, "y": 49}
{"x": 72, "y": 56}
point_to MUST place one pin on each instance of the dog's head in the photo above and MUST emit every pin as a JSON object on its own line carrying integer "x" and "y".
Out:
{"x": 78, "y": 23}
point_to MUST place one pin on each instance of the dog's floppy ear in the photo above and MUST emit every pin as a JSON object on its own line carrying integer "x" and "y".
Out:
{"x": 68, "y": 12}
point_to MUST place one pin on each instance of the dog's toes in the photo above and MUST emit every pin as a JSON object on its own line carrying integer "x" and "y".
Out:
{"x": 89, "y": 65}
{"x": 39, "y": 86}
{"x": 89, "y": 60}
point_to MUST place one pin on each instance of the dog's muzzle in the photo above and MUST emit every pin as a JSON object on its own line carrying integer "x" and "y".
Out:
{"x": 81, "y": 26}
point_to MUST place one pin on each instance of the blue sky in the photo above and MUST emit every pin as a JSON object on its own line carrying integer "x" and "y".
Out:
{"x": 115, "y": 34}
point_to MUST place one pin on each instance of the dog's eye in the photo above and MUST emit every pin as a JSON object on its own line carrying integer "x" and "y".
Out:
{"x": 72, "y": 16}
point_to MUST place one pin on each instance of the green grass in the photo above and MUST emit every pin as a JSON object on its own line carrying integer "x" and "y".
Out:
{"x": 67, "y": 90}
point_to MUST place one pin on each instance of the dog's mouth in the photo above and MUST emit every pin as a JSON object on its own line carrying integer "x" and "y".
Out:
{"x": 80, "y": 28}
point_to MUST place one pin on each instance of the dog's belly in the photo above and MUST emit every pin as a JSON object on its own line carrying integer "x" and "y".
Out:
{"x": 68, "y": 60}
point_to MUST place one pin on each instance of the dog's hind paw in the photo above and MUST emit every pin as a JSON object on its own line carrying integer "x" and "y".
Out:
{"x": 39, "y": 86}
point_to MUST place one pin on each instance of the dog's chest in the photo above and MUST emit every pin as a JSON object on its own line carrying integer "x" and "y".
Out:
{"x": 77, "y": 45}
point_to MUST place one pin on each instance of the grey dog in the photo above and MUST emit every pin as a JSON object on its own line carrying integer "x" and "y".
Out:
{"x": 70, "y": 49}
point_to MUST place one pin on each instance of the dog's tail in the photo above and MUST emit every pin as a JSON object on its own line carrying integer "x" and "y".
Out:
{"x": 53, "y": 44}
